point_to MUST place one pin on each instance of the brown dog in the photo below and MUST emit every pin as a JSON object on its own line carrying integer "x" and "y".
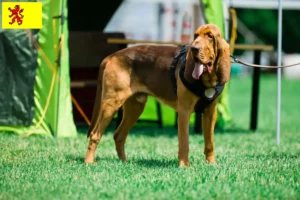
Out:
{"x": 191, "y": 82}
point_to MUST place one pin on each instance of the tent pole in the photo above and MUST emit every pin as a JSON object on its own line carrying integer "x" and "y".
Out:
{"x": 279, "y": 51}
{"x": 62, "y": 21}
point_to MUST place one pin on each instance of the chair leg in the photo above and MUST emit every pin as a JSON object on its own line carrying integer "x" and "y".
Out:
{"x": 198, "y": 123}
{"x": 159, "y": 115}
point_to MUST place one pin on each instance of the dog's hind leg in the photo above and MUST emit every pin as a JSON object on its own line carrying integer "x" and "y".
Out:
{"x": 112, "y": 92}
{"x": 132, "y": 109}
{"x": 109, "y": 107}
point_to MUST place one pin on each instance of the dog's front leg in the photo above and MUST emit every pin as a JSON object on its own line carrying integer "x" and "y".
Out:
{"x": 183, "y": 138}
{"x": 208, "y": 125}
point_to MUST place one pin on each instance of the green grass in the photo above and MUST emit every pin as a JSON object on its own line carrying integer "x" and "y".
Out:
{"x": 250, "y": 165}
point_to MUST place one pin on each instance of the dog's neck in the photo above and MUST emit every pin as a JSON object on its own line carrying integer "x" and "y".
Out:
{"x": 209, "y": 80}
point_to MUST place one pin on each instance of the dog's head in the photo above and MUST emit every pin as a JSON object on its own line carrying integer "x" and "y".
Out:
{"x": 210, "y": 53}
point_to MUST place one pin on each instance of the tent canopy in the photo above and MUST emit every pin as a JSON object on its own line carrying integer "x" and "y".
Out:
{"x": 37, "y": 93}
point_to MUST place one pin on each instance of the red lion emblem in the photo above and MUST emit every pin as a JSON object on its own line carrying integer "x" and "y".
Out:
{"x": 15, "y": 14}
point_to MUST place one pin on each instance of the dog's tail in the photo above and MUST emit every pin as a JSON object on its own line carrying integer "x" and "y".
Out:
{"x": 97, "y": 104}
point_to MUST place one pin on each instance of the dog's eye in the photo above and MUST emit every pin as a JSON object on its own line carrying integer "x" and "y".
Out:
{"x": 210, "y": 36}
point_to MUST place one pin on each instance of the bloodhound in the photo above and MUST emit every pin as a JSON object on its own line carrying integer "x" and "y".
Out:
{"x": 188, "y": 79}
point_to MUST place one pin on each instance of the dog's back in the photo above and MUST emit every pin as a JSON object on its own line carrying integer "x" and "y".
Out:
{"x": 149, "y": 65}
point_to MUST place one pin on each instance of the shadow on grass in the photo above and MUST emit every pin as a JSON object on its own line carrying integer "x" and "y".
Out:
{"x": 80, "y": 159}
{"x": 149, "y": 163}
{"x": 75, "y": 159}
{"x": 154, "y": 163}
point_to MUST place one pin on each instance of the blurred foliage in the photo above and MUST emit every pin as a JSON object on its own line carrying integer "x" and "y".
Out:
{"x": 263, "y": 23}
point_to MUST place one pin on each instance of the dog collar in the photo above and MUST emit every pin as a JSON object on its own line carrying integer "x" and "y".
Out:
{"x": 207, "y": 95}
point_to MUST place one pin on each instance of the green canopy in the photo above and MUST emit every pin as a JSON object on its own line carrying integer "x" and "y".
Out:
{"x": 36, "y": 97}
{"x": 213, "y": 11}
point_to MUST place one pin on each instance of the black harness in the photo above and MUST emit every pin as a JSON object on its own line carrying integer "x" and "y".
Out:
{"x": 198, "y": 88}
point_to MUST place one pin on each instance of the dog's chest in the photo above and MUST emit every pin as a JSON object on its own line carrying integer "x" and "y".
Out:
{"x": 209, "y": 80}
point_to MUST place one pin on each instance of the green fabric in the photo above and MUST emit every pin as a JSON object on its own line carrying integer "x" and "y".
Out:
{"x": 60, "y": 100}
{"x": 66, "y": 126}
{"x": 213, "y": 10}
{"x": 18, "y": 65}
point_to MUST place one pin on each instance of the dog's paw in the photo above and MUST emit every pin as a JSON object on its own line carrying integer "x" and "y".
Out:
{"x": 184, "y": 164}
{"x": 211, "y": 160}
{"x": 122, "y": 157}
{"x": 89, "y": 161}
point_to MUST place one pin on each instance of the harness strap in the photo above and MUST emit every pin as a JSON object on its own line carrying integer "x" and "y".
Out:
{"x": 174, "y": 64}
{"x": 197, "y": 88}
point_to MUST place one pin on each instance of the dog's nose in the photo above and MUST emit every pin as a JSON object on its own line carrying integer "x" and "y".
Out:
{"x": 194, "y": 48}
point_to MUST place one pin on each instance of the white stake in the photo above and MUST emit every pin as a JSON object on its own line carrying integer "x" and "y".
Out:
{"x": 279, "y": 71}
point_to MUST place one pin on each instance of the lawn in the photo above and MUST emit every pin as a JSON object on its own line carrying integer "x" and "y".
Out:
{"x": 250, "y": 165}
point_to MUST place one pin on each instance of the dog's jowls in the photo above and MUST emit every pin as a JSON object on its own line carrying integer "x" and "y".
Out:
{"x": 128, "y": 76}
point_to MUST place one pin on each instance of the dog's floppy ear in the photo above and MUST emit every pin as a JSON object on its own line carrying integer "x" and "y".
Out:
{"x": 223, "y": 61}
{"x": 196, "y": 34}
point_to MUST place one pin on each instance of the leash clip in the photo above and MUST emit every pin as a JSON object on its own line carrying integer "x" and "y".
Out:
{"x": 234, "y": 59}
